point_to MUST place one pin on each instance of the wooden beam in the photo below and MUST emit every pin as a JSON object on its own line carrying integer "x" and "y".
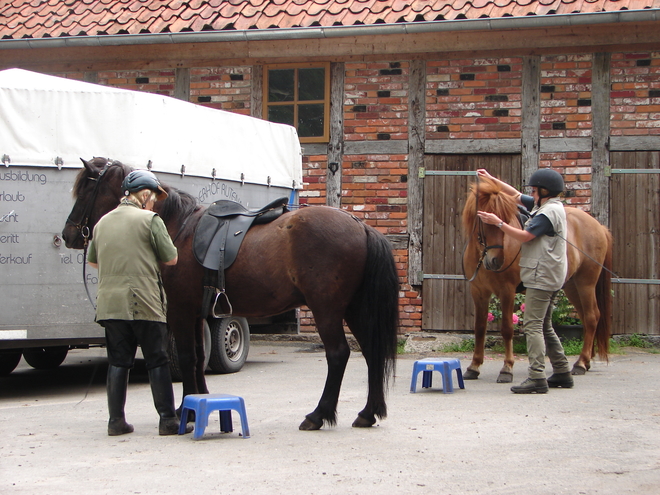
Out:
{"x": 336, "y": 143}
{"x": 600, "y": 135}
{"x": 256, "y": 91}
{"x": 416, "y": 145}
{"x": 437, "y": 146}
{"x": 531, "y": 115}
{"x": 182, "y": 84}
{"x": 564, "y": 145}
{"x": 634, "y": 143}
{"x": 393, "y": 147}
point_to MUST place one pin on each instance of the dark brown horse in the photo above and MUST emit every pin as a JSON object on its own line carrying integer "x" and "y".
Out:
{"x": 491, "y": 259}
{"x": 321, "y": 257}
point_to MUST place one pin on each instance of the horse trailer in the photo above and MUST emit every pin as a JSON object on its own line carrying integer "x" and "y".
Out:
{"x": 48, "y": 124}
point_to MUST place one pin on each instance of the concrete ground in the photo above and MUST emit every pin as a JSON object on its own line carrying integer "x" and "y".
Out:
{"x": 601, "y": 437}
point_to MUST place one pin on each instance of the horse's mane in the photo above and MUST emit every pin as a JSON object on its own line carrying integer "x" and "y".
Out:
{"x": 491, "y": 199}
{"x": 178, "y": 206}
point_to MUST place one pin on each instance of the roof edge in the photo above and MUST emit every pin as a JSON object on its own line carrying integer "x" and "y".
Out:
{"x": 486, "y": 24}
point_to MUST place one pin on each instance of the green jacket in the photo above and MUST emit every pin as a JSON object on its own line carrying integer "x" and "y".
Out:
{"x": 128, "y": 244}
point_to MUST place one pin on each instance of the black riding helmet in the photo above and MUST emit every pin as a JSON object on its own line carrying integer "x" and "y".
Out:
{"x": 143, "y": 179}
{"x": 548, "y": 179}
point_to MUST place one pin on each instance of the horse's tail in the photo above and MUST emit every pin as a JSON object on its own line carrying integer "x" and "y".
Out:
{"x": 604, "y": 301}
{"x": 373, "y": 316}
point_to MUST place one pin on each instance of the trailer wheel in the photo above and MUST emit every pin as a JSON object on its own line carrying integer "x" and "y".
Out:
{"x": 175, "y": 368}
{"x": 230, "y": 344}
{"x": 45, "y": 358}
{"x": 9, "y": 359}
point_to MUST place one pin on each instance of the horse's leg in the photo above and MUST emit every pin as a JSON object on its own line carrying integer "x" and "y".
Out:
{"x": 481, "y": 300}
{"x": 507, "y": 301}
{"x": 584, "y": 301}
{"x": 200, "y": 354}
{"x": 337, "y": 352}
{"x": 182, "y": 323}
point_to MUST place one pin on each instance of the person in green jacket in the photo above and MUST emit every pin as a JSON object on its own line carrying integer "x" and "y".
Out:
{"x": 543, "y": 268}
{"x": 127, "y": 247}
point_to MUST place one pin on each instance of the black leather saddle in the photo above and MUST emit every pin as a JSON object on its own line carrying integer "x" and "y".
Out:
{"x": 217, "y": 239}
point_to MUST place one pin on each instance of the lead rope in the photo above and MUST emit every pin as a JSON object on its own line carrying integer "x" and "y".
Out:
{"x": 89, "y": 296}
{"x": 590, "y": 257}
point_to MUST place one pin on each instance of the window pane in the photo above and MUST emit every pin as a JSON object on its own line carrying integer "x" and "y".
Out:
{"x": 310, "y": 120}
{"x": 280, "y": 85}
{"x": 311, "y": 84}
{"x": 282, "y": 114}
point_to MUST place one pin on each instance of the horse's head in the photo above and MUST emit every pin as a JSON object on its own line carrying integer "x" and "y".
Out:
{"x": 486, "y": 242}
{"x": 97, "y": 190}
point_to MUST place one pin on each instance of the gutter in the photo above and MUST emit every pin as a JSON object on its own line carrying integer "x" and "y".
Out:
{"x": 487, "y": 24}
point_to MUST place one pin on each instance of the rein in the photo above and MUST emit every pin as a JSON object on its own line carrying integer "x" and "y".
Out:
{"x": 83, "y": 225}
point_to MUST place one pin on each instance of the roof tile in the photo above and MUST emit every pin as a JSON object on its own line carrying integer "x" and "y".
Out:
{"x": 43, "y": 18}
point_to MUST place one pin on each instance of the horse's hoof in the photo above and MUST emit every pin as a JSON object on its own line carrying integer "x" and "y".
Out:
{"x": 578, "y": 370}
{"x": 309, "y": 425}
{"x": 470, "y": 374}
{"x": 361, "y": 422}
{"x": 504, "y": 377}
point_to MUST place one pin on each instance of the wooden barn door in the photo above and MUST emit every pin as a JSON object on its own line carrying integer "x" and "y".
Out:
{"x": 447, "y": 304}
{"x": 635, "y": 224}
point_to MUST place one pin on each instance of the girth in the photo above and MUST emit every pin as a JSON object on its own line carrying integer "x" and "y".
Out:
{"x": 218, "y": 237}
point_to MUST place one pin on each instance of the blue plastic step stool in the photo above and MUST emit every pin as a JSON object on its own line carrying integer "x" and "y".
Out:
{"x": 444, "y": 366}
{"x": 205, "y": 404}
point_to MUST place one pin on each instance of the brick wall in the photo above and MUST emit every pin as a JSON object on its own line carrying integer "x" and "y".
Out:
{"x": 473, "y": 98}
{"x": 566, "y": 96}
{"x": 376, "y": 101}
{"x": 635, "y": 96}
{"x": 150, "y": 81}
{"x": 223, "y": 88}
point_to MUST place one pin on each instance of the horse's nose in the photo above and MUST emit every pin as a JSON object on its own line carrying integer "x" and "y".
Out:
{"x": 492, "y": 263}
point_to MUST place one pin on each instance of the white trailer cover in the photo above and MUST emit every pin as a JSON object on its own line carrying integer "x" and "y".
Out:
{"x": 51, "y": 121}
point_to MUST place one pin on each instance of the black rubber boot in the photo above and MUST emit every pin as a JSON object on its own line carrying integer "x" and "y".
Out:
{"x": 161, "y": 389}
{"x": 531, "y": 386}
{"x": 117, "y": 383}
{"x": 561, "y": 380}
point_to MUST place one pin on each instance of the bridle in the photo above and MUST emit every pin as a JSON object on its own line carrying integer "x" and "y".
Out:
{"x": 82, "y": 225}
{"x": 479, "y": 229}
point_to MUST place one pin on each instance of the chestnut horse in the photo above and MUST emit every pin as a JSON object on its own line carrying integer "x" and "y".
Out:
{"x": 321, "y": 257}
{"x": 491, "y": 263}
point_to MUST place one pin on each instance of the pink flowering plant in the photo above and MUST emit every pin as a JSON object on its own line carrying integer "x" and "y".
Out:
{"x": 495, "y": 310}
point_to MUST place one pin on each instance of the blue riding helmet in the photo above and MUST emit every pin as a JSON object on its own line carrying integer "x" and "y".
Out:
{"x": 138, "y": 180}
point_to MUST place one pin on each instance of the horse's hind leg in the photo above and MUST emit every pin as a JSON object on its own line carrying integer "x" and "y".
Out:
{"x": 584, "y": 301}
{"x": 337, "y": 353}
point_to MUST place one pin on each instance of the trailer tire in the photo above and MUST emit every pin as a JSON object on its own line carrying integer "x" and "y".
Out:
{"x": 230, "y": 346}
{"x": 9, "y": 359}
{"x": 45, "y": 358}
{"x": 175, "y": 367}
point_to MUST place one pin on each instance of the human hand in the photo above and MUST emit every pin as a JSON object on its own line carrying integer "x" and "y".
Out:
{"x": 482, "y": 172}
{"x": 489, "y": 218}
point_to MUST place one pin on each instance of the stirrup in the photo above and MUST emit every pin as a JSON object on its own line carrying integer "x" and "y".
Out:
{"x": 220, "y": 296}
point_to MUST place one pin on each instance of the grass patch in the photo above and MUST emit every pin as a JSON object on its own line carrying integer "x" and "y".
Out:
{"x": 401, "y": 346}
{"x": 465, "y": 345}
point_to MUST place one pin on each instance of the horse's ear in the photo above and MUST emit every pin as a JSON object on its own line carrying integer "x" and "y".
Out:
{"x": 87, "y": 165}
